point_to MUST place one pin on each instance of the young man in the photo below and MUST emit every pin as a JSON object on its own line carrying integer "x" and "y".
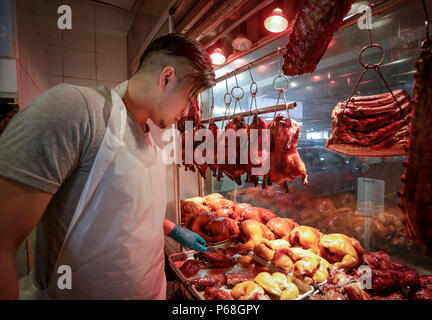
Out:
{"x": 81, "y": 164}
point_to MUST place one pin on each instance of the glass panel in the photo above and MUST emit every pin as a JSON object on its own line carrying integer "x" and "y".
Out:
{"x": 352, "y": 195}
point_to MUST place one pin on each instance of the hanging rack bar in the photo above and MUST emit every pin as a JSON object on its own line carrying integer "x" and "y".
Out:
{"x": 348, "y": 20}
{"x": 251, "y": 65}
{"x": 276, "y": 108}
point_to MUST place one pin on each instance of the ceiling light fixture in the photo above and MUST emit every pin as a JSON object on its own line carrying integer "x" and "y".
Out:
{"x": 276, "y": 22}
{"x": 241, "y": 43}
{"x": 217, "y": 57}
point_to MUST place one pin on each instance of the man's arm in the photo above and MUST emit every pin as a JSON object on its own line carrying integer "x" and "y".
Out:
{"x": 184, "y": 236}
{"x": 168, "y": 226}
{"x": 21, "y": 207}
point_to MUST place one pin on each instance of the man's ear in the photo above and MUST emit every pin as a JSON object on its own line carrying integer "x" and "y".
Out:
{"x": 167, "y": 76}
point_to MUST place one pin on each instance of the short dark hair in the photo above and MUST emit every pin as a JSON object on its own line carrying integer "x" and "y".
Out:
{"x": 180, "y": 45}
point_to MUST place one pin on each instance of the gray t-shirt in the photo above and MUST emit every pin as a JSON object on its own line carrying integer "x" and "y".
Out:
{"x": 51, "y": 145}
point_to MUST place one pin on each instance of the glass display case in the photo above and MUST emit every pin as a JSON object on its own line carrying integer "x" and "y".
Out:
{"x": 356, "y": 196}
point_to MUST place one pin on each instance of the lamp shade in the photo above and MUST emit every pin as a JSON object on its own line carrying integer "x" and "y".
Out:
{"x": 276, "y": 22}
{"x": 241, "y": 43}
{"x": 217, "y": 57}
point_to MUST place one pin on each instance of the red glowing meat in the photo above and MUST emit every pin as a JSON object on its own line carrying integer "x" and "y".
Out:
{"x": 372, "y": 126}
{"x": 417, "y": 190}
{"x": 313, "y": 29}
{"x": 190, "y": 268}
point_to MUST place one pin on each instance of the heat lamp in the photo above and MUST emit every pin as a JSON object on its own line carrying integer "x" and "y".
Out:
{"x": 276, "y": 22}
{"x": 217, "y": 57}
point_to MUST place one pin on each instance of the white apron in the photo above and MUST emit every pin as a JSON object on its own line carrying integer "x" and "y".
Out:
{"x": 115, "y": 242}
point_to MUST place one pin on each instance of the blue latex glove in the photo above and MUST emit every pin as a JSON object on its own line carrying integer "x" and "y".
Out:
{"x": 188, "y": 238}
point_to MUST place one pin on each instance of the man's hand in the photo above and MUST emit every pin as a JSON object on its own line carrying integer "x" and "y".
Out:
{"x": 188, "y": 238}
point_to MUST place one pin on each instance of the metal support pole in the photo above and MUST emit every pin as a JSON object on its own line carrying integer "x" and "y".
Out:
{"x": 176, "y": 175}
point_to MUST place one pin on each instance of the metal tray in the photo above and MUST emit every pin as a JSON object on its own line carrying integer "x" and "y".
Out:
{"x": 177, "y": 259}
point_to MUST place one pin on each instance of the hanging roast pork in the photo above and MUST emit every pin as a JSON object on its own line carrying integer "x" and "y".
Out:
{"x": 313, "y": 29}
{"x": 417, "y": 190}
{"x": 372, "y": 126}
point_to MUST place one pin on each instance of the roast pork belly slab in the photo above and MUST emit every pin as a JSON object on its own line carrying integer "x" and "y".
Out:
{"x": 372, "y": 126}
{"x": 313, "y": 29}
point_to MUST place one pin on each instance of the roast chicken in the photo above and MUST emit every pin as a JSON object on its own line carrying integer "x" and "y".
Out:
{"x": 277, "y": 285}
{"x": 216, "y": 204}
{"x": 307, "y": 265}
{"x": 281, "y": 227}
{"x": 340, "y": 250}
{"x": 192, "y": 208}
{"x": 305, "y": 237}
{"x": 289, "y": 290}
{"x": 215, "y": 229}
{"x": 267, "y": 248}
{"x": 282, "y": 260}
{"x": 244, "y": 211}
{"x": 266, "y": 281}
{"x": 254, "y": 232}
{"x": 247, "y": 290}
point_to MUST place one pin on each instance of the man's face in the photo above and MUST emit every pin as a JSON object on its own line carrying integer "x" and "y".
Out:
{"x": 174, "y": 104}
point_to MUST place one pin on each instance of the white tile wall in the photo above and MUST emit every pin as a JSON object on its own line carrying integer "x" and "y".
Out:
{"x": 27, "y": 89}
{"x": 83, "y": 11}
{"x": 93, "y": 52}
{"x": 81, "y": 36}
{"x": 111, "y": 67}
{"x": 53, "y": 35}
{"x": 110, "y": 41}
{"x": 80, "y": 82}
{"x": 78, "y": 63}
{"x": 54, "y": 80}
{"x": 55, "y": 58}
{"x": 109, "y": 18}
